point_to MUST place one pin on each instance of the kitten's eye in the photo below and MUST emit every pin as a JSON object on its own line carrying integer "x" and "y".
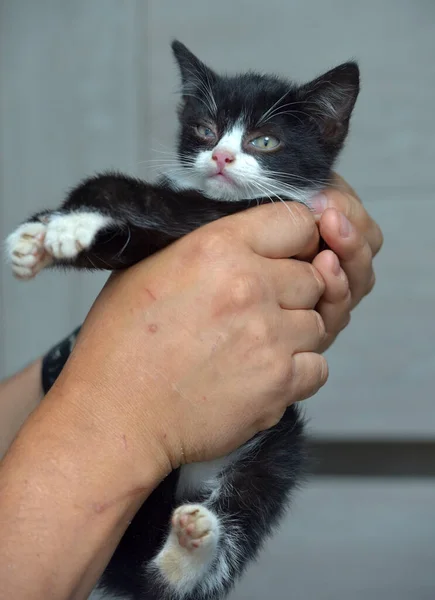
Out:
{"x": 265, "y": 142}
{"x": 205, "y": 132}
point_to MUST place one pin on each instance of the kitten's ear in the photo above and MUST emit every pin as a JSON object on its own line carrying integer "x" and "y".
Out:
{"x": 194, "y": 73}
{"x": 330, "y": 100}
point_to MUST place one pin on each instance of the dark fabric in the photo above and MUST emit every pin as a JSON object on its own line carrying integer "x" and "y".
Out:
{"x": 54, "y": 361}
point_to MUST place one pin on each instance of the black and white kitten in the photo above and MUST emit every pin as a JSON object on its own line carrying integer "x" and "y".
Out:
{"x": 243, "y": 140}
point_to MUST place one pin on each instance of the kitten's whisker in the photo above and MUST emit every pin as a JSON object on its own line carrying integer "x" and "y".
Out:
{"x": 265, "y": 191}
{"x": 316, "y": 182}
{"x": 270, "y": 110}
{"x": 276, "y": 190}
{"x": 170, "y": 152}
{"x": 279, "y": 111}
{"x": 200, "y": 100}
{"x": 118, "y": 254}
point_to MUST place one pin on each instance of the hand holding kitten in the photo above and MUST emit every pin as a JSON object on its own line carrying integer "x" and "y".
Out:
{"x": 211, "y": 338}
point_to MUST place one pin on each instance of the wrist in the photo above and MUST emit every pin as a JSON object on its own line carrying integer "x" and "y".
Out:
{"x": 101, "y": 428}
{"x": 69, "y": 492}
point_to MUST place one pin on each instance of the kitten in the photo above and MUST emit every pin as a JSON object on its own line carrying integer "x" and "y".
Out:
{"x": 243, "y": 140}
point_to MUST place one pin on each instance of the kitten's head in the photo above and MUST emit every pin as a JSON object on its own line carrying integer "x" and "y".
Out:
{"x": 252, "y": 136}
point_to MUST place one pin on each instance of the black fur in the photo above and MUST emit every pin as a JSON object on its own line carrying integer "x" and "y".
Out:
{"x": 311, "y": 122}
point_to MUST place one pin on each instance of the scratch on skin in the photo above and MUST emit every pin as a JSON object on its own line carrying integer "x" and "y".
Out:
{"x": 149, "y": 292}
{"x": 101, "y": 507}
{"x": 124, "y": 439}
{"x": 152, "y": 328}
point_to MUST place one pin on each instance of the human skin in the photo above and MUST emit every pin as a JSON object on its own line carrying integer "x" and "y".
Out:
{"x": 182, "y": 358}
{"x": 88, "y": 414}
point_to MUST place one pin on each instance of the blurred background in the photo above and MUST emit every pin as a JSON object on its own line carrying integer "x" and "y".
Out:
{"x": 86, "y": 86}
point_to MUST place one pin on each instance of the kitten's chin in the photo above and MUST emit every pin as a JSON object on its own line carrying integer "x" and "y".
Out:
{"x": 227, "y": 190}
{"x": 214, "y": 188}
{"x": 219, "y": 188}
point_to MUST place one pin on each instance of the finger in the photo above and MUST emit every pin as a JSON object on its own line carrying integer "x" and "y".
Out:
{"x": 336, "y": 283}
{"x": 349, "y": 204}
{"x": 298, "y": 284}
{"x": 278, "y": 230}
{"x": 309, "y": 374}
{"x": 303, "y": 330}
{"x": 353, "y": 251}
{"x": 334, "y": 306}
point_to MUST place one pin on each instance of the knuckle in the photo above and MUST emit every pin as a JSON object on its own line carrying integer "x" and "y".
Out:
{"x": 345, "y": 320}
{"x": 361, "y": 252}
{"x": 319, "y": 324}
{"x": 371, "y": 283}
{"x": 209, "y": 244}
{"x": 244, "y": 291}
{"x": 323, "y": 370}
{"x": 340, "y": 290}
{"x": 282, "y": 368}
{"x": 347, "y": 300}
{"x": 320, "y": 282}
{"x": 259, "y": 330}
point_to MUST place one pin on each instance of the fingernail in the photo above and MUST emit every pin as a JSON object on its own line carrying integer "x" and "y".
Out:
{"x": 318, "y": 203}
{"x": 336, "y": 269}
{"x": 345, "y": 226}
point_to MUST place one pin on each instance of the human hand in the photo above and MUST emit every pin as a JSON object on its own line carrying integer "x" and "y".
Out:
{"x": 204, "y": 344}
{"x": 355, "y": 238}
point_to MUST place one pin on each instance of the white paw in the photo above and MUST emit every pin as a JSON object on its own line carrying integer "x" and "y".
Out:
{"x": 195, "y": 526}
{"x": 25, "y": 250}
{"x": 190, "y": 546}
{"x": 67, "y": 235}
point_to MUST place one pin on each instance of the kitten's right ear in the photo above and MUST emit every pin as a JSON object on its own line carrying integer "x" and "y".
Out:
{"x": 330, "y": 100}
{"x": 194, "y": 73}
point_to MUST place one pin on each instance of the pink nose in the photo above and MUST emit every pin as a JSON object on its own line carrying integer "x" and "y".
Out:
{"x": 223, "y": 158}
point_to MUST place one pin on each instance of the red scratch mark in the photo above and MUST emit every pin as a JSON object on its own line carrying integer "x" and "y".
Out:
{"x": 149, "y": 292}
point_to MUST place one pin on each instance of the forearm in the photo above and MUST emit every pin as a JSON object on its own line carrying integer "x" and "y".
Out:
{"x": 59, "y": 543}
{"x": 19, "y": 396}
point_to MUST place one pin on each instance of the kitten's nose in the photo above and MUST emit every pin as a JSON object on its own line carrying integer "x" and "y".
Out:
{"x": 223, "y": 158}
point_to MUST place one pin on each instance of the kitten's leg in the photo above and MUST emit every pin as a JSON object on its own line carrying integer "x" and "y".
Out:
{"x": 246, "y": 501}
{"x": 190, "y": 547}
{"x": 68, "y": 234}
{"x": 53, "y": 237}
{"x": 111, "y": 222}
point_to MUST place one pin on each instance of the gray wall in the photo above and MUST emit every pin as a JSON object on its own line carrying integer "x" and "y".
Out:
{"x": 90, "y": 85}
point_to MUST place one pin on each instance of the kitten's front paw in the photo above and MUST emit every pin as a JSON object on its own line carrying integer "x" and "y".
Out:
{"x": 68, "y": 234}
{"x": 26, "y": 251}
{"x": 191, "y": 545}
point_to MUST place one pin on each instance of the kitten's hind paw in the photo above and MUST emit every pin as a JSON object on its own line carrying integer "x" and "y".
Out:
{"x": 68, "y": 234}
{"x": 190, "y": 546}
{"x": 195, "y": 526}
{"x": 26, "y": 251}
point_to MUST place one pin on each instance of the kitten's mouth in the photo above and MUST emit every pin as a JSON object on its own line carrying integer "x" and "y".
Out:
{"x": 223, "y": 177}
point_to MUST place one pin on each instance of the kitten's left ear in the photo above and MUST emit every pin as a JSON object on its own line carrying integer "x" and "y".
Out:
{"x": 330, "y": 100}
{"x": 194, "y": 73}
